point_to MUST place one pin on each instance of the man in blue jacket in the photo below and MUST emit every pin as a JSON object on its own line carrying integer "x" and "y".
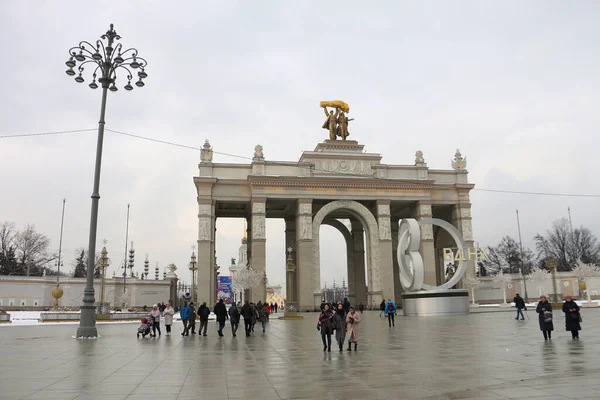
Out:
{"x": 184, "y": 313}
{"x": 390, "y": 311}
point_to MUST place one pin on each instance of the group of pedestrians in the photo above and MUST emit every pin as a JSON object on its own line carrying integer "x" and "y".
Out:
{"x": 343, "y": 321}
{"x": 252, "y": 313}
{"x": 572, "y": 317}
{"x": 546, "y": 317}
{"x": 167, "y": 312}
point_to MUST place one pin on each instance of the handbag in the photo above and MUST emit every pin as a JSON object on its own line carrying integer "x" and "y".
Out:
{"x": 574, "y": 316}
{"x": 547, "y": 316}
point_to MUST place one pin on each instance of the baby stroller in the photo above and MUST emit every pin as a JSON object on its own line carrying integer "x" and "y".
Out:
{"x": 144, "y": 328}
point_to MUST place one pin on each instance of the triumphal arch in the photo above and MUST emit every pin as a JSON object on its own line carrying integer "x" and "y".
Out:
{"x": 341, "y": 185}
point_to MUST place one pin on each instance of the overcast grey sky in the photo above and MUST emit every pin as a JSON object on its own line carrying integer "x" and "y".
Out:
{"x": 513, "y": 84}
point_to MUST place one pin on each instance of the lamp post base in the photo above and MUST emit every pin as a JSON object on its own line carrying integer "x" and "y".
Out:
{"x": 87, "y": 324}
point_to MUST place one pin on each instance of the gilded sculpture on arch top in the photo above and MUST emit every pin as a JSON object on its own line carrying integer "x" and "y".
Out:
{"x": 336, "y": 122}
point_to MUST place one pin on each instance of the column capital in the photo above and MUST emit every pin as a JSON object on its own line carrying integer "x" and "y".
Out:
{"x": 304, "y": 207}
{"x": 423, "y": 210}
{"x": 461, "y": 211}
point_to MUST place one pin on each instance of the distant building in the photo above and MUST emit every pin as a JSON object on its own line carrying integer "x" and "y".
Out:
{"x": 275, "y": 295}
{"x": 335, "y": 293}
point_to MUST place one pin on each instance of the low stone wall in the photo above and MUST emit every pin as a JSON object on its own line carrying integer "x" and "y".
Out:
{"x": 54, "y": 316}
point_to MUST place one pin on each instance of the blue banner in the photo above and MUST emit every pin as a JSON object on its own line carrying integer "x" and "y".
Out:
{"x": 224, "y": 290}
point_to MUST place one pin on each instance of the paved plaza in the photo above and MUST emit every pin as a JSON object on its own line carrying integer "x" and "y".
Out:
{"x": 476, "y": 356}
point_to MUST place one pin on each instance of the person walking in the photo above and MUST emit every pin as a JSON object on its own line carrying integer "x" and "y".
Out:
{"x": 184, "y": 313}
{"x": 275, "y": 307}
{"x": 155, "y": 315}
{"x": 361, "y": 307}
{"x": 381, "y": 308}
{"x": 325, "y": 325}
{"x": 221, "y": 313}
{"x": 263, "y": 314}
{"x": 339, "y": 324}
{"x": 203, "y": 314}
{"x": 234, "y": 318}
{"x": 268, "y": 306}
{"x": 192, "y": 319}
{"x": 572, "y": 317}
{"x": 168, "y": 316}
{"x": 254, "y": 317}
{"x": 520, "y": 305}
{"x": 352, "y": 321}
{"x": 247, "y": 315}
{"x": 346, "y": 305}
{"x": 544, "y": 310}
{"x": 390, "y": 312}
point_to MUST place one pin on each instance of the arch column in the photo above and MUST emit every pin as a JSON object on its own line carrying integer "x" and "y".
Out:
{"x": 427, "y": 248}
{"x": 206, "y": 236}
{"x": 258, "y": 248}
{"x": 461, "y": 218}
{"x": 309, "y": 295}
{"x": 360, "y": 284}
{"x": 397, "y": 285}
{"x": 385, "y": 247}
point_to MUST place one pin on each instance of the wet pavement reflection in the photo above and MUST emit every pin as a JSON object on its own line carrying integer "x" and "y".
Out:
{"x": 476, "y": 356}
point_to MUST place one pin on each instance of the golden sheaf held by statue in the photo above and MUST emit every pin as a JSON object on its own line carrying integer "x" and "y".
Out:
{"x": 336, "y": 122}
{"x": 336, "y": 104}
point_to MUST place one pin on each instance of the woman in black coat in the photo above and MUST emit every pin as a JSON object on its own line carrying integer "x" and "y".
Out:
{"x": 571, "y": 310}
{"x": 544, "y": 310}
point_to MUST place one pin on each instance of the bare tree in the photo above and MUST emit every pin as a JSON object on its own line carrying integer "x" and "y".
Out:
{"x": 506, "y": 257}
{"x": 7, "y": 236}
{"x": 567, "y": 246}
{"x": 32, "y": 250}
{"x": 585, "y": 246}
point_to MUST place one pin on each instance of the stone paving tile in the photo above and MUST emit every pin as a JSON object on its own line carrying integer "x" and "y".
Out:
{"x": 487, "y": 356}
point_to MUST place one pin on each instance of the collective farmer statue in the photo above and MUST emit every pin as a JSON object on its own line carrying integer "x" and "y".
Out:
{"x": 336, "y": 122}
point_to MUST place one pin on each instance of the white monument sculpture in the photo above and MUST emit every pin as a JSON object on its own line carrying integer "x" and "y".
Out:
{"x": 420, "y": 298}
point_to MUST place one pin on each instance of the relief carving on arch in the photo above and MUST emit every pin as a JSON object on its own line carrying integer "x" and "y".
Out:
{"x": 204, "y": 229}
{"x": 258, "y": 227}
{"x": 305, "y": 228}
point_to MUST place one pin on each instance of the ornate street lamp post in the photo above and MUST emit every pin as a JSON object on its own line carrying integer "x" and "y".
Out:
{"x": 193, "y": 267}
{"x": 105, "y": 59}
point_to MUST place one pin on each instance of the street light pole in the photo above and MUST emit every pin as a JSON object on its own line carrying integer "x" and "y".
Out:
{"x": 522, "y": 259}
{"x": 106, "y": 59}
{"x": 193, "y": 267}
{"x": 125, "y": 259}
{"x": 57, "y": 291}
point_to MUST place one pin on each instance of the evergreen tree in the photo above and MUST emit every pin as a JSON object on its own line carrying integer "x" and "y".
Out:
{"x": 80, "y": 268}
{"x": 97, "y": 272}
{"x": 8, "y": 263}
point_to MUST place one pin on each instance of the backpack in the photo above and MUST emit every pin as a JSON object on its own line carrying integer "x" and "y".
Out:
{"x": 391, "y": 307}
